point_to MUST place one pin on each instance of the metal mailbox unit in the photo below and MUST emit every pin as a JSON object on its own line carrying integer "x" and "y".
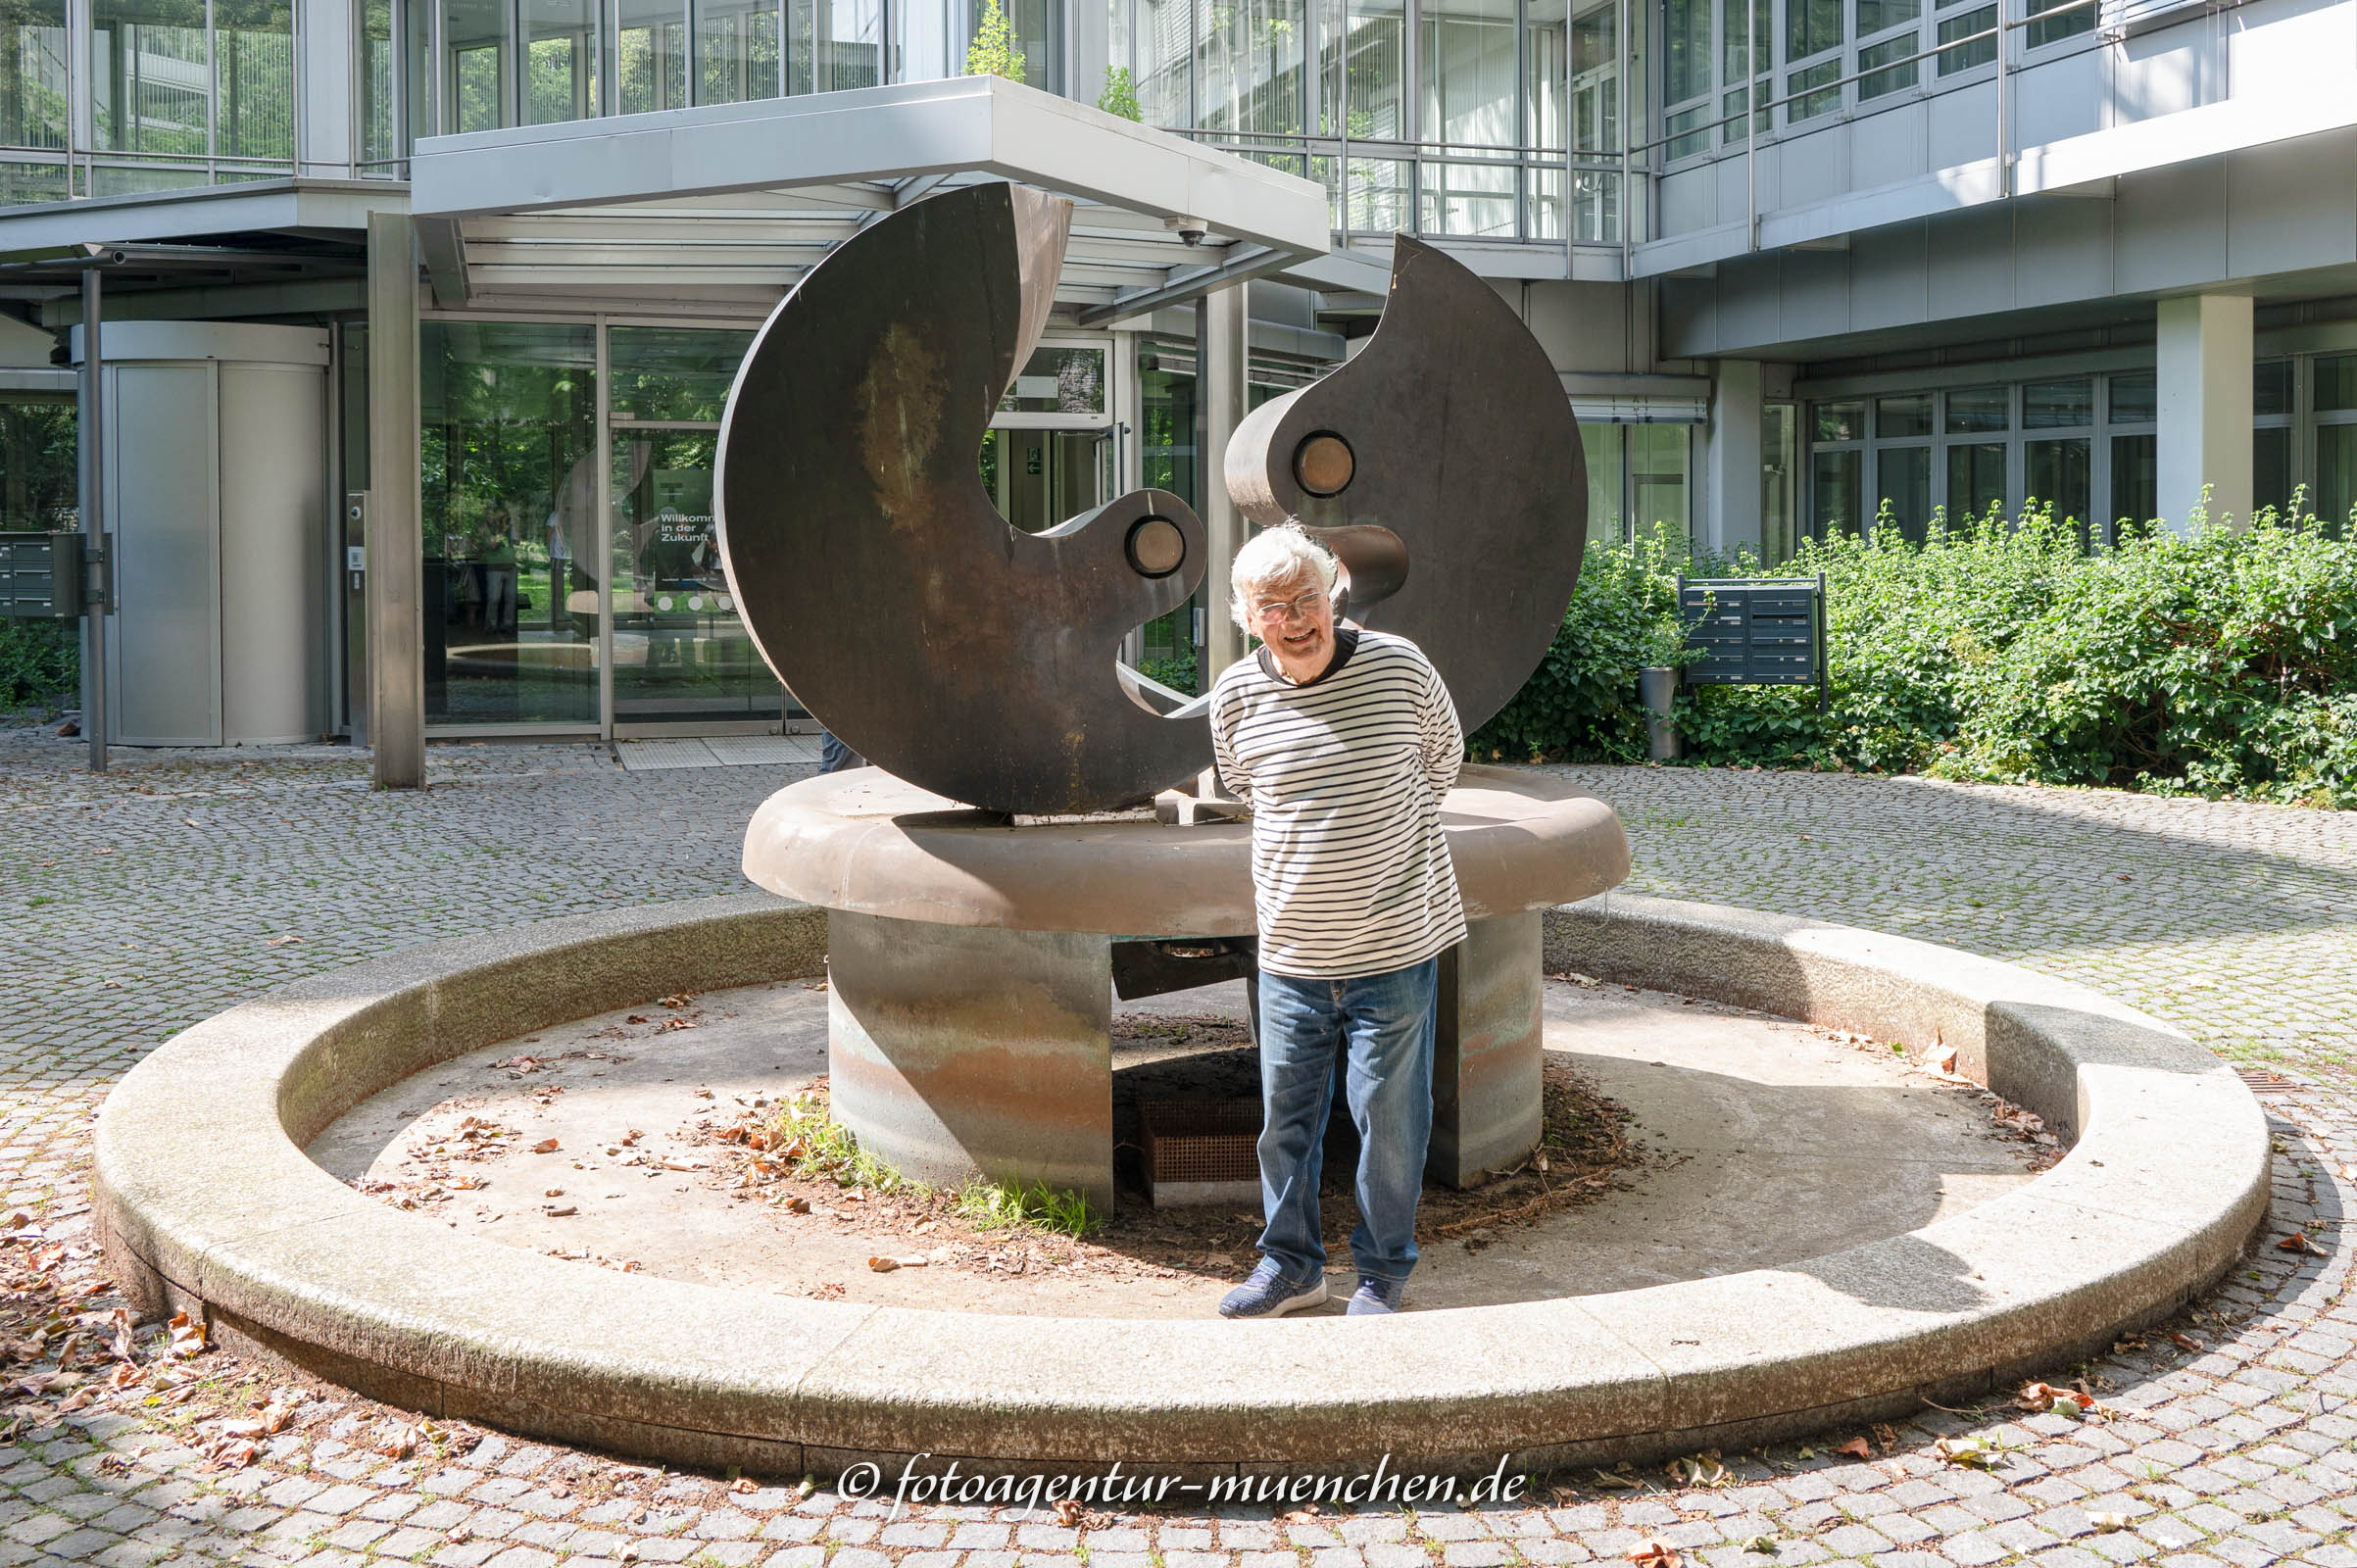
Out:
{"x": 41, "y": 577}
{"x": 1755, "y": 631}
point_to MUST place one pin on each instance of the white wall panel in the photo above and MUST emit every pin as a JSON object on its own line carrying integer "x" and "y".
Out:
{"x": 2286, "y": 213}
{"x": 1889, "y": 146}
{"x": 2062, "y": 249}
{"x": 2057, "y": 98}
{"x": 1887, "y": 285}
{"x": 2171, "y": 227}
{"x": 2285, "y": 46}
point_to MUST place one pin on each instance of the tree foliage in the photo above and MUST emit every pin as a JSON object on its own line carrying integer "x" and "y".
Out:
{"x": 993, "y": 53}
{"x": 1120, "y": 95}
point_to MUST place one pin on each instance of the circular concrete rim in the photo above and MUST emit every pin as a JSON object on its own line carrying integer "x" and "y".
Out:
{"x": 205, "y": 1196}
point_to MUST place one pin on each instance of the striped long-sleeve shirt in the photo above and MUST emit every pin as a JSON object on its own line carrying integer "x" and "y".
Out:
{"x": 1345, "y": 775}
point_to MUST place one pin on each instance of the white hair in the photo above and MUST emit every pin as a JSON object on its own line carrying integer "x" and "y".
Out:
{"x": 1273, "y": 559}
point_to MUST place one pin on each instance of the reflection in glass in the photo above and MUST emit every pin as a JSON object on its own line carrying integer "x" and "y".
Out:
{"x": 680, "y": 652}
{"x": 1468, "y": 198}
{"x": 1466, "y": 55}
{"x": 1980, "y": 52}
{"x": 254, "y": 80}
{"x": 560, "y": 60}
{"x": 2335, "y": 477}
{"x": 1059, "y": 379}
{"x": 2336, "y": 382}
{"x": 2134, "y": 398}
{"x": 1903, "y": 477}
{"x": 148, "y": 76}
{"x": 1834, "y": 483}
{"x": 1165, "y": 95}
{"x": 32, "y": 74}
{"x": 650, "y": 45}
{"x": 1035, "y": 31}
{"x": 1167, "y": 462}
{"x": 475, "y": 65}
{"x": 2271, "y": 480}
{"x": 1896, "y": 419}
{"x": 1976, "y": 479}
{"x": 1779, "y": 440}
{"x": 1249, "y": 65}
{"x": 1595, "y": 123}
{"x": 2271, "y": 387}
{"x": 1838, "y": 422}
{"x": 1378, "y": 196}
{"x": 1895, "y": 78}
{"x": 1376, "y": 65}
{"x": 737, "y": 51}
{"x": 833, "y": 45}
{"x": 1601, "y": 446}
{"x": 2057, "y": 405}
{"x": 2058, "y": 473}
{"x": 2134, "y": 483}
{"x": 1807, "y": 103}
{"x": 1659, "y": 459}
{"x": 506, "y": 416}
{"x": 39, "y": 440}
{"x": 373, "y": 83}
{"x": 1975, "y": 410}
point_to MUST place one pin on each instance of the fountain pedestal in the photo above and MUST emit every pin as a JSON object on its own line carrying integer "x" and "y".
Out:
{"x": 970, "y": 963}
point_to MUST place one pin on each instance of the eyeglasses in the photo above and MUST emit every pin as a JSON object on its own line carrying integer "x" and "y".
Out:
{"x": 1303, "y": 607}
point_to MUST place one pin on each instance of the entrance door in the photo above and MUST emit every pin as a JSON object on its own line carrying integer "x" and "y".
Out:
{"x": 681, "y": 654}
{"x": 1038, "y": 478}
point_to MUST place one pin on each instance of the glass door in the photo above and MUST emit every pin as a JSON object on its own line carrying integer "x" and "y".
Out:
{"x": 682, "y": 658}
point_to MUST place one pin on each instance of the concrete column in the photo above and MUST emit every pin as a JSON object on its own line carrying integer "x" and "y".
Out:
{"x": 2203, "y": 362}
{"x": 1222, "y": 326}
{"x": 396, "y": 575}
{"x": 1732, "y": 460}
{"x": 1488, "y": 1052}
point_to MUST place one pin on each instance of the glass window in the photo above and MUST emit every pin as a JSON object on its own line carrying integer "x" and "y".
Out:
{"x": 1976, "y": 479}
{"x": 1601, "y": 446}
{"x": 1979, "y": 408}
{"x": 1658, "y": 461}
{"x": 1903, "y": 483}
{"x": 1167, "y": 462}
{"x": 1163, "y": 52}
{"x": 1837, "y": 421}
{"x": 38, "y": 483}
{"x": 1745, "y": 53}
{"x": 2271, "y": 480}
{"x": 1059, "y": 380}
{"x": 507, "y": 416}
{"x": 2271, "y": 387}
{"x": 1980, "y": 52}
{"x": 1780, "y": 432}
{"x": 737, "y": 51}
{"x": 1035, "y": 31}
{"x": 475, "y": 65}
{"x": 2057, "y": 473}
{"x": 373, "y": 83}
{"x": 1375, "y": 85}
{"x": 1811, "y": 26}
{"x": 32, "y": 86}
{"x": 2335, "y": 474}
{"x": 1686, "y": 49}
{"x": 1876, "y": 15}
{"x": 2134, "y": 484}
{"x": 560, "y": 60}
{"x": 1874, "y": 83}
{"x": 835, "y": 45}
{"x": 254, "y": 80}
{"x": 1470, "y": 198}
{"x": 2058, "y": 405}
{"x": 1683, "y": 121}
{"x": 2134, "y": 398}
{"x": 1466, "y": 54}
{"x": 1898, "y": 417}
{"x": 2053, "y": 29}
{"x": 1249, "y": 65}
{"x": 1807, "y": 104}
{"x": 2336, "y": 384}
{"x": 149, "y": 89}
{"x": 1834, "y": 482}
{"x": 650, "y": 56}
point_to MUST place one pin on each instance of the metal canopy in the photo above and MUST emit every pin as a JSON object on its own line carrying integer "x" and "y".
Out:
{"x": 733, "y": 203}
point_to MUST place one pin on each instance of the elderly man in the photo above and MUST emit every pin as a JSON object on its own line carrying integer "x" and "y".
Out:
{"x": 1345, "y": 742}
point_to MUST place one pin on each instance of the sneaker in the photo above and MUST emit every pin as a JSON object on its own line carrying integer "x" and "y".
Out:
{"x": 1375, "y": 1298}
{"x": 1264, "y": 1295}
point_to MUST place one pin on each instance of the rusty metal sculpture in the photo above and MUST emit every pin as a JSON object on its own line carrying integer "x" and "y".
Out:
{"x": 931, "y": 636}
{"x": 1442, "y": 465}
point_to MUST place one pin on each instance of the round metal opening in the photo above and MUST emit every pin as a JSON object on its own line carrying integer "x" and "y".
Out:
{"x": 1323, "y": 464}
{"x": 1156, "y": 547}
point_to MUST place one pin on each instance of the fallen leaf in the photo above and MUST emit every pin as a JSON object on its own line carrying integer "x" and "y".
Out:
{"x": 187, "y": 1337}
{"x": 637, "y": 1017}
{"x": 396, "y": 1440}
{"x": 2106, "y": 1522}
{"x": 2297, "y": 1241}
{"x": 1945, "y": 1061}
{"x": 1765, "y": 1546}
{"x": 1652, "y": 1553}
{"x": 1856, "y": 1447}
{"x": 1067, "y": 1511}
{"x": 280, "y": 942}
{"x": 796, "y": 1206}
{"x": 554, "y": 1192}
{"x": 883, "y": 1265}
{"x": 561, "y": 1211}
{"x": 1883, "y": 1438}
{"x": 546, "y": 1145}
{"x": 744, "y": 1484}
{"x": 2185, "y": 1342}
{"x": 460, "y": 1535}
{"x": 120, "y": 1333}
{"x": 1975, "y": 1453}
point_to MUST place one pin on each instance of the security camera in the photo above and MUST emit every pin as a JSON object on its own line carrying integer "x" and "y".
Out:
{"x": 1189, "y": 230}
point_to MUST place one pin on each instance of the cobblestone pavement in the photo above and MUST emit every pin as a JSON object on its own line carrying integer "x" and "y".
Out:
{"x": 182, "y": 883}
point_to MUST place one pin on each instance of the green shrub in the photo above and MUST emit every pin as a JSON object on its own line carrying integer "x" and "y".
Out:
{"x": 40, "y": 663}
{"x": 2216, "y": 663}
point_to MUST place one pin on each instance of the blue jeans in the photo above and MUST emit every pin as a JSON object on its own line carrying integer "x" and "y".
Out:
{"x": 1384, "y": 1023}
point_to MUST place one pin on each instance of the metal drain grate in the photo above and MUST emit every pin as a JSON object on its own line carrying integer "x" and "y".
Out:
{"x": 2262, "y": 1081}
{"x": 1201, "y": 1152}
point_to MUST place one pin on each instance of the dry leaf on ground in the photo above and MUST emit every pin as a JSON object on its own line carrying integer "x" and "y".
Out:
{"x": 1067, "y": 1511}
{"x": 2297, "y": 1241}
{"x": 546, "y": 1145}
{"x": 2105, "y": 1522}
{"x": 1975, "y": 1453}
{"x": 187, "y": 1337}
{"x": 1652, "y": 1553}
{"x": 2185, "y": 1342}
{"x": 742, "y": 1483}
{"x": 1856, "y": 1448}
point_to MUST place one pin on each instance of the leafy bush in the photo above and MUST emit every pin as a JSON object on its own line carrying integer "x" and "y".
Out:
{"x": 40, "y": 663}
{"x": 993, "y": 53}
{"x": 2216, "y": 663}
